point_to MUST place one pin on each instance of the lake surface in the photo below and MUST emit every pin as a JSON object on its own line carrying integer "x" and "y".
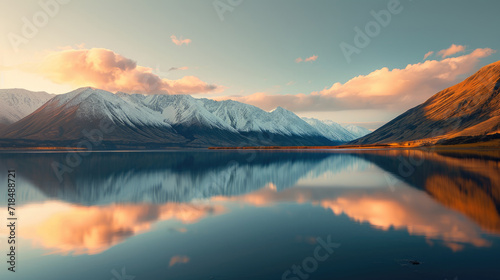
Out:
{"x": 254, "y": 215}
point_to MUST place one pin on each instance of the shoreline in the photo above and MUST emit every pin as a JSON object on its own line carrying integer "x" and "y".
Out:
{"x": 491, "y": 145}
{"x": 476, "y": 147}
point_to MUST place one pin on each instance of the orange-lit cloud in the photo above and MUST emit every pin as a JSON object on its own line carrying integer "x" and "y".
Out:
{"x": 407, "y": 209}
{"x": 417, "y": 216}
{"x": 312, "y": 58}
{"x": 308, "y": 59}
{"x": 94, "y": 229}
{"x": 263, "y": 197}
{"x": 180, "y": 41}
{"x": 178, "y": 260}
{"x": 105, "y": 69}
{"x": 64, "y": 228}
{"x": 453, "y": 49}
{"x": 397, "y": 89}
{"x": 428, "y": 54}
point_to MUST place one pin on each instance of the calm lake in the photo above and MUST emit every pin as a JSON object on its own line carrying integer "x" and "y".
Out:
{"x": 217, "y": 215}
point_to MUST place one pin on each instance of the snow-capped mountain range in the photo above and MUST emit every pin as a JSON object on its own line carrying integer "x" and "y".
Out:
{"x": 16, "y": 104}
{"x": 161, "y": 180}
{"x": 336, "y": 131}
{"x": 169, "y": 120}
{"x": 248, "y": 118}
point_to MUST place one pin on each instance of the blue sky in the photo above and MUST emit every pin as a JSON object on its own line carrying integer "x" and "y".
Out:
{"x": 255, "y": 47}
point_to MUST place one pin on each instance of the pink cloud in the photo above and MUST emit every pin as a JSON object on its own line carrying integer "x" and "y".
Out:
{"x": 453, "y": 49}
{"x": 180, "y": 41}
{"x": 397, "y": 89}
{"x": 94, "y": 229}
{"x": 428, "y": 54}
{"x": 178, "y": 259}
{"x": 384, "y": 210}
{"x": 309, "y": 59}
{"x": 391, "y": 211}
{"x": 105, "y": 69}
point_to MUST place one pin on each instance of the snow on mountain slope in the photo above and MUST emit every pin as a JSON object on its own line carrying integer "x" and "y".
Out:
{"x": 241, "y": 117}
{"x": 293, "y": 123}
{"x": 189, "y": 118}
{"x": 185, "y": 110}
{"x": 68, "y": 116}
{"x": 229, "y": 122}
{"x": 95, "y": 103}
{"x": 337, "y": 132}
{"x": 248, "y": 118}
{"x": 357, "y": 131}
{"x": 16, "y": 104}
{"x": 330, "y": 130}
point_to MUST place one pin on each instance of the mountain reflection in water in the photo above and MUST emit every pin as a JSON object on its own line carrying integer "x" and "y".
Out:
{"x": 113, "y": 196}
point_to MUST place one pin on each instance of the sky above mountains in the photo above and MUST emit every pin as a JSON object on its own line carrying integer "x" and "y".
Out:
{"x": 349, "y": 61}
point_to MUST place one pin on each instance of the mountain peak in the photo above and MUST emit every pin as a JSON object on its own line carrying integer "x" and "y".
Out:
{"x": 80, "y": 95}
{"x": 280, "y": 110}
{"x": 81, "y": 89}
